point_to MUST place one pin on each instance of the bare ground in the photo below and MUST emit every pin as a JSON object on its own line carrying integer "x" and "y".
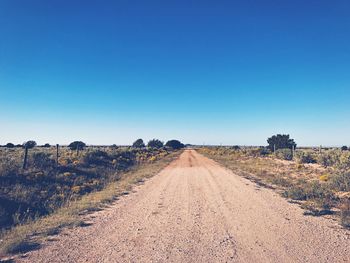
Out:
{"x": 198, "y": 211}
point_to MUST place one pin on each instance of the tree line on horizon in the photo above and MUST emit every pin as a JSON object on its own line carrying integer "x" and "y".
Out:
{"x": 275, "y": 143}
{"x": 79, "y": 146}
{"x": 139, "y": 143}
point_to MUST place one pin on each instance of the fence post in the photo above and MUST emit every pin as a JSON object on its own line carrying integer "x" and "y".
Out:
{"x": 57, "y": 154}
{"x": 25, "y": 157}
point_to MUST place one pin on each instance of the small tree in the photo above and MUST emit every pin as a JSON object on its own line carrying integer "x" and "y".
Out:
{"x": 155, "y": 143}
{"x": 9, "y": 145}
{"x": 175, "y": 144}
{"x": 46, "y": 145}
{"x": 280, "y": 141}
{"x": 344, "y": 148}
{"x": 77, "y": 145}
{"x": 27, "y": 145}
{"x": 138, "y": 143}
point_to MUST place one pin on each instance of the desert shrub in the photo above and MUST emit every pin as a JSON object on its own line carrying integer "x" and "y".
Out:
{"x": 340, "y": 181}
{"x": 284, "y": 154}
{"x": 296, "y": 193}
{"x": 10, "y": 145}
{"x": 278, "y": 180}
{"x": 311, "y": 190}
{"x": 252, "y": 152}
{"x": 77, "y": 145}
{"x": 280, "y": 141}
{"x": 344, "y": 148}
{"x": 29, "y": 144}
{"x": 235, "y": 147}
{"x": 174, "y": 144}
{"x": 124, "y": 160}
{"x": 46, "y": 145}
{"x": 9, "y": 166}
{"x": 316, "y": 190}
{"x": 317, "y": 207}
{"x": 97, "y": 158}
{"x": 4, "y": 216}
{"x": 155, "y": 143}
{"x": 42, "y": 160}
{"x": 343, "y": 161}
{"x": 138, "y": 143}
{"x": 336, "y": 158}
{"x": 305, "y": 157}
{"x": 329, "y": 158}
{"x": 264, "y": 151}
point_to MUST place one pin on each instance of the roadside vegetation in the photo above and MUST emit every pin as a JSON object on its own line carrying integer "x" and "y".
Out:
{"x": 317, "y": 178}
{"x": 47, "y": 187}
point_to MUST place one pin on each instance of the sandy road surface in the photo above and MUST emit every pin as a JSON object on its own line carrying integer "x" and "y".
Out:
{"x": 197, "y": 211}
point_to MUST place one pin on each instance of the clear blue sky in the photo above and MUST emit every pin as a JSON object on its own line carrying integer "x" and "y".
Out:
{"x": 230, "y": 72}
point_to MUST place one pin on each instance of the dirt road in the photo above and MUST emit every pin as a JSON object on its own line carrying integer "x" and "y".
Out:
{"x": 197, "y": 211}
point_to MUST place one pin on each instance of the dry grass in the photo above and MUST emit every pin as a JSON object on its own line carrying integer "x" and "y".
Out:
{"x": 273, "y": 171}
{"x": 319, "y": 190}
{"x": 29, "y": 235}
{"x": 26, "y": 194}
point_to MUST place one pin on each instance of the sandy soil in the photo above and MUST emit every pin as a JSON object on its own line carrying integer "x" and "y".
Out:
{"x": 197, "y": 211}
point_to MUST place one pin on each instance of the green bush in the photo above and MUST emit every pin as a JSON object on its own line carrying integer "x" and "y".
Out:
{"x": 284, "y": 154}
{"x": 77, "y": 145}
{"x": 174, "y": 144}
{"x": 138, "y": 143}
{"x": 155, "y": 143}
{"x": 344, "y": 148}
